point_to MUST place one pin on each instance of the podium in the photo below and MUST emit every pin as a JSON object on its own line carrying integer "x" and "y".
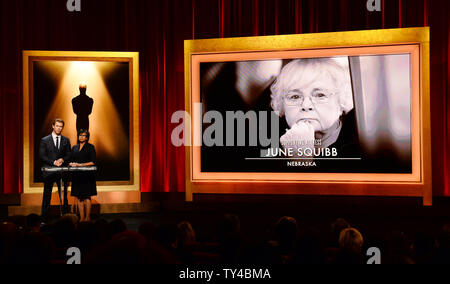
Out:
{"x": 65, "y": 171}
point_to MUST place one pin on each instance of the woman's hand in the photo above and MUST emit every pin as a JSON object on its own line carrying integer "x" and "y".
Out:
{"x": 75, "y": 165}
{"x": 300, "y": 136}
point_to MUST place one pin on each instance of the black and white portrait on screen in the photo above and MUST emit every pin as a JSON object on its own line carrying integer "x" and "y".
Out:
{"x": 336, "y": 114}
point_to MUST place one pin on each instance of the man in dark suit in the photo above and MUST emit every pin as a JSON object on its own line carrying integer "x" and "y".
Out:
{"x": 54, "y": 151}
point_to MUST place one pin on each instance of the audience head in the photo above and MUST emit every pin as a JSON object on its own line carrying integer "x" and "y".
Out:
{"x": 148, "y": 230}
{"x": 230, "y": 225}
{"x": 127, "y": 247}
{"x": 167, "y": 236}
{"x": 88, "y": 235}
{"x": 71, "y": 217}
{"x": 286, "y": 229}
{"x": 117, "y": 226}
{"x": 336, "y": 229}
{"x": 63, "y": 231}
{"x": 187, "y": 233}
{"x": 33, "y": 222}
{"x": 351, "y": 240}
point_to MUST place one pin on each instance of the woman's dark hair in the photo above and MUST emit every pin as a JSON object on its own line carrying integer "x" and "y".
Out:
{"x": 81, "y": 131}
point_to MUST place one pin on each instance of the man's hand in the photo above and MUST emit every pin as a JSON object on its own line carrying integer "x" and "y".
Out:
{"x": 58, "y": 162}
{"x": 75, "y": 165}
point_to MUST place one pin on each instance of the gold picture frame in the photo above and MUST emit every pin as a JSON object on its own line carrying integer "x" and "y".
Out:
{"x": 132, "y": 58}
{"x": 415, "y": 41}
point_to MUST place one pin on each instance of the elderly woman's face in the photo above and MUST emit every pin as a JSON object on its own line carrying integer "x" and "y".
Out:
{"x": 313, "y": 102}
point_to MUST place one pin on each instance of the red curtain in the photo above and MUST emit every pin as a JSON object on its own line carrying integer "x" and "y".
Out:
{"x": 156, "y": 29}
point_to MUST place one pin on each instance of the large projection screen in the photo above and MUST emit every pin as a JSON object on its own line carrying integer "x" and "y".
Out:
{"x": 327, "y": 114}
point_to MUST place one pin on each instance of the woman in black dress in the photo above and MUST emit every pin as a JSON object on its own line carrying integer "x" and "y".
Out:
{"x": 83, "y": 183}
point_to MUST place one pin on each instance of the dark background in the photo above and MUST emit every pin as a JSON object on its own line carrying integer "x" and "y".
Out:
{"x": 156, "y": 29}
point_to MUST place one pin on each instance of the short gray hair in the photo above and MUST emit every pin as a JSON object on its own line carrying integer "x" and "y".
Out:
{"x": 295, "y": 70}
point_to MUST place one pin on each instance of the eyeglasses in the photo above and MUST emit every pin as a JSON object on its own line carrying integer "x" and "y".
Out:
{"x": 84, "y": 135}
{"x": 295, "y": 98}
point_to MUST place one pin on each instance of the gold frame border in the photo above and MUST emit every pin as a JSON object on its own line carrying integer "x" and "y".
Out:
{"x": 133, "y": 57}
{"x": 367, "y": 38}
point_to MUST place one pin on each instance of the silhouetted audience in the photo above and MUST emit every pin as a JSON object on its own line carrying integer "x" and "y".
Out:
{"x": 230, "y": 239}
{"x": 281, "y": 247}
{"x": 33, "y": 223}
{"x": 423, "y": 247}
{"x": 8, "y": 234}
{"x": 350, "y": 247}
{"x": 442, "y": 252}
{"x": 186, "y": 243}
{"x": 32, "y": 248}
{"x": 398, "y": 250}
{"x": 167, "y": 236}
{"x": 286, "y": 234}
{"x": 336, "y": 229}
{"x": 63, "y": 231}
{"x": 126, "y": 247}
{"x": 308, "y": 249}
{"x": 22, "y": 241}
{"x": 148, "y": 230}
{"x": 117, "y": 226}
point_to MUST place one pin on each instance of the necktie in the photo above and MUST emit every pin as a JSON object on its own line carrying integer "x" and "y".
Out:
{"x": 57, "y": 142}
